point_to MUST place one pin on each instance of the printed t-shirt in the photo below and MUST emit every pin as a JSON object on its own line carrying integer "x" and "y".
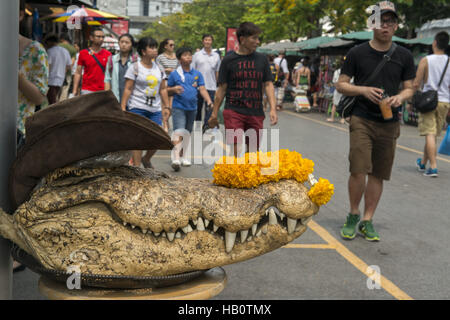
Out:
{"x": 245, "y": 76}
{"x": 192, "y": 81}
{"x": 361, "y": 62}
{"x": 93, "y": 76}
{"x": 145, "y": 94}
{"x": 33, "y": 64}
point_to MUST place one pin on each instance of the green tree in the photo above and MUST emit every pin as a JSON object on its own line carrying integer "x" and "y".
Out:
{"x": 284, "y": 19}
{"x": 198, "y": 18}
{"x": 415, "y": 13}
{"x": 281, "y": 19}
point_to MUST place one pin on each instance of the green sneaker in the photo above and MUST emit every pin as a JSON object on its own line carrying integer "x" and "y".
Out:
{"x": 368, "y": 231}
{"x": 348, "y": 231}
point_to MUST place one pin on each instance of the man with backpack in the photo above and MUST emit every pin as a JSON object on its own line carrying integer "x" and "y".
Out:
{"x": 282, "y": 79}
{"x": 93, "y": 60}
{"x": 373, "y": 139}
{"x": 434, "y": 73}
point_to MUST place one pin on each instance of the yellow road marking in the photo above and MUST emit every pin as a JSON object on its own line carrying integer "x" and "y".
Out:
{"x": 357, "y": 262}
{"x": 346, "y": 130}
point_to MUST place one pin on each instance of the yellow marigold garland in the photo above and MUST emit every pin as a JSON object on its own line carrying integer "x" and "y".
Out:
{"x": 321, "y": 192}
{"x": 252, "y": 170}
{"x": 248, "y": 172}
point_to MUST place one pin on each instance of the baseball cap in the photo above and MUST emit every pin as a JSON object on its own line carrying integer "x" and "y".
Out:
{"x": 386, "y": 6}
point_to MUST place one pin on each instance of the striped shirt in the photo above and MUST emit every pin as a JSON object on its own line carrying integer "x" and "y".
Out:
{"x": 167, "y": 62}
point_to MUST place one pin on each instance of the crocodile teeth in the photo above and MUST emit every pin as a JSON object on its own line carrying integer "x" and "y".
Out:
{"x": 230, "y": 238}
{"x": 291, "y": 223}
{"x": 187, "y": 229}
{"x": 157, "y": 234}
{"x": 178, "y": 235}
{"x": 258, "y": 234}
{"x": 264, "y": 229}
{"x": 200, "y": 224}
{"x": 244, "y": 235}
{"x": 124, "y": 224}
{"x": 306, "y": 220}
{"x": 144, "y": 231}
{"x": 272, "y": 217}
{"x": 194, "y": 222}
{"x": 254, "y": 227}
{"x": 215, "y": 228}
{"x": 163, "y": 234}
{"x": 278, "y": 213}
{"x": 207, "y": 222}
{"x": 132, "y": 226}
{"x": 170, "y": 236}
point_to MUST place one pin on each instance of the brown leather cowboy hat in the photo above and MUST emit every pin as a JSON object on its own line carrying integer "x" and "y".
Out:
{"x": 76, "y": 129}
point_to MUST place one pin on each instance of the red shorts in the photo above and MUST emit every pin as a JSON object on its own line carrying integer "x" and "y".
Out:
{"x": 234, "y": 121}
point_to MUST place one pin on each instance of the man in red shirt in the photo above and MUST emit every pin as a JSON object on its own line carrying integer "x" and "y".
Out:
{"x": 93, "y": 60}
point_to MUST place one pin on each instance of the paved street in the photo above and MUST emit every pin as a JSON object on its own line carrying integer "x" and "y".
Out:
{"x": 412, "y": 219}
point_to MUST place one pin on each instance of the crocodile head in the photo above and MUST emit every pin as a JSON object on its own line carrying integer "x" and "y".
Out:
{"x": 140, "y": 222}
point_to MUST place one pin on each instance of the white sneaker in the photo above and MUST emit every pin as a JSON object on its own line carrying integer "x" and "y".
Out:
{"x": 185, "y": 162}
{"x": 176, "y": 165}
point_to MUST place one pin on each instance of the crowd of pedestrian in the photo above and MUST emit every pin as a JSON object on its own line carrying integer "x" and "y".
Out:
{"x": 158, "y": 82}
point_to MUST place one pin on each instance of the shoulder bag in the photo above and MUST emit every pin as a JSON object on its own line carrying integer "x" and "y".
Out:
{"x": 346, "y": 103}
{"x": 427, "y": 101}
{"x": 92, "y": 53}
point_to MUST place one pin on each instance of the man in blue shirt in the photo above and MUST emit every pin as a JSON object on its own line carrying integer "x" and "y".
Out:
{"x": 184, "y": 83}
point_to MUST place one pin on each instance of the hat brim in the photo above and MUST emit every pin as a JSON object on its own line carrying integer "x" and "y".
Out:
{"x": 387, "y": 11}
{"x": 58, "y": 136}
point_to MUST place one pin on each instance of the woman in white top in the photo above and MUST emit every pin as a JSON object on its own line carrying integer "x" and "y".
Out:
{"x": 145, "y": 92}
{"x": 168, "y": 60}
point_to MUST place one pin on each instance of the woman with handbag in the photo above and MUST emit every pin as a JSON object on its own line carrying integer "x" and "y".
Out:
{"x": 433, "y": 102}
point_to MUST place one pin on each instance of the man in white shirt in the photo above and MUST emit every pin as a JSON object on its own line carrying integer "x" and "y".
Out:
{"x": 429, "y": 72}
{"x": 283, "y": 78}
{"x": 59, "y": 63}
{"x": 207, "y": 62}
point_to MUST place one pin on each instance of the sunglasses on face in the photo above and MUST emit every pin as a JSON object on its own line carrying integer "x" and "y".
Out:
{"x": 388, "y": 22}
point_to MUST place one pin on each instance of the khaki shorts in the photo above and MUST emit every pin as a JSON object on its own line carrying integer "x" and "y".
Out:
{"x": 372, "y": 147}
{"x": 433, "y": 122}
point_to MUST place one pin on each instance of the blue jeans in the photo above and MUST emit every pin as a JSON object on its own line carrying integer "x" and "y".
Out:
{"x": 183, "y": 119}
{"x": 154, "y": 116}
